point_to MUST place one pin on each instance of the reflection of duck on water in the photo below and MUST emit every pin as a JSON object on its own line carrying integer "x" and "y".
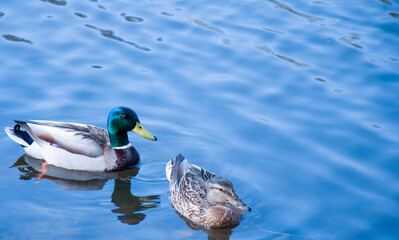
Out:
{"x": 69, "y": 179}
{"x": 129, "y": 205}
{"x": 213, "y": 233}
{"x": 122, "y": 197}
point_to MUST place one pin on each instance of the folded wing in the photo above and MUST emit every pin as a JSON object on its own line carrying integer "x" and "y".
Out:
{"x": 77, "y": 138}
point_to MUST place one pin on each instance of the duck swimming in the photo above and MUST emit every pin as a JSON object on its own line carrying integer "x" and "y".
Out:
{"x": 201, "y": 196}
{"x": 81, "y": 146}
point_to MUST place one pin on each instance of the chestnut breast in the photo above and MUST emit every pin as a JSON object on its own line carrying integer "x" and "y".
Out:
{"x": 126, "y": 157}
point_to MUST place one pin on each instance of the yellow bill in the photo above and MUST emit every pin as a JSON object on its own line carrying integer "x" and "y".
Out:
{"x": 140, "y": 130}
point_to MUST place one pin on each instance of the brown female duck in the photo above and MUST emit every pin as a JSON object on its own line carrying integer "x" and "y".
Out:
{"x": 201, "y": 196}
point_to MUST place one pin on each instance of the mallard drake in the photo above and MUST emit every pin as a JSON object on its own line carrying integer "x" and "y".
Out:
{"x": 201, "y": 196}
{"x": 81, "y": 146}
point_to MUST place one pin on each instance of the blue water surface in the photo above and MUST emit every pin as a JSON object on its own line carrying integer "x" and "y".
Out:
{"x": 296, "y": 102}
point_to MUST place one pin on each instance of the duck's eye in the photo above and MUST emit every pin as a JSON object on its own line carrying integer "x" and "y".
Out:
{"x": 123, "y": 116}
{"x": 221, "y": 190}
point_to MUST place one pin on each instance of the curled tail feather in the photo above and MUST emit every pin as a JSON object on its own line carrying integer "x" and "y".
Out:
{"x": 28, "y": 133}
{"x": 19, "y": 136}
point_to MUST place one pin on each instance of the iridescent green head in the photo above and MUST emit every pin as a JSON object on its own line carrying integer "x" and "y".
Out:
{"x": 120, "y": 121}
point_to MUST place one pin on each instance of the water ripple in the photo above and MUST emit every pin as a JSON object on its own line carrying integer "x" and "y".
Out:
{"x": 110, "y": 34}
{"x": 350, "y": 38}
{"x": 387, "y": 2}
{"x": 321, "y": 3}
{"x": 282, "y": 57}
{"x": 273, "y": 31}
{"x": 167, "y": 14}
{"x": 289, "y": 9}
{"x": 16, "y": 38}
{"x": 80, "y": 15}
{"x": 395, "y": 15}
{"x": 101, "y": 6}
{"x": 56, "y": 2}
{"x": 131, "y": 18}
{"x": 208, "y": 26}
{"x": 320, "y": 79}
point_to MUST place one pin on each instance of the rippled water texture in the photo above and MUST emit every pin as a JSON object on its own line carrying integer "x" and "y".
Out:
{"x": 296, "y": 102}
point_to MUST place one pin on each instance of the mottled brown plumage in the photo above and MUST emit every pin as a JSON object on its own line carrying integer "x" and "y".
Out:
{"x": 201, "y": 196}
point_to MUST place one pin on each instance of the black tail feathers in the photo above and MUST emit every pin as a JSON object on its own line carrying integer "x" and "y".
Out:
{"x": 179, "y": 158}
{"x": 23, "y": 134}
